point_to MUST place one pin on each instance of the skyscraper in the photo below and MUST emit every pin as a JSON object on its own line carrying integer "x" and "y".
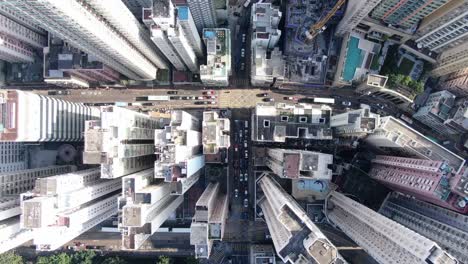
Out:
{"x": 445, "y": 227}
{"x": 204, "y": 13}
{"x": 428, "y": 180}
{"x": 385, "y": 240}
{"x": 85, "y": 28}
{"x": 356, "y": 11}
{"x": 406, "y": 14}
{"x": 26, "y": 116}
{"x": 184, "y": 16}
{"x": 295, "y": 237}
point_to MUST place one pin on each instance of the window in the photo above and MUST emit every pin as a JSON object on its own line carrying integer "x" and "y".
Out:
{"x": 284, "y": 119}
{"x": 302, "y": 119}
{"x": 266, "y": 123}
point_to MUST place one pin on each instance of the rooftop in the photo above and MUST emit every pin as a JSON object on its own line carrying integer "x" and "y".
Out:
{"x": 218, "y": 49}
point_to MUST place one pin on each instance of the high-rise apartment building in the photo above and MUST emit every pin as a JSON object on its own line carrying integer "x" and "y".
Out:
{"x": 395, "y": 136}
{"x": 451, "y": 60}
{"x": 26, "y": 116}
{"x": 84, "y": 27}
{"x": 294, "y": 164}
{"x": 383, "y": 239}
{"x": 179, "y": 156}
{"x": 122, "y": 141}
{"x": 443, "y": 113}
{"x": 405, "y": 14}
{"x": 211, "y": 211}
{"x": 184, "y": 16}
{"x": 295, "y": 237}
{"x": 168, "y": 35}
{"x": 13, "y": 156}
{"x": 280, "y": 121}
{"x": 356, "y": 11}
{"x": 428, "y": 180}
{"x": 265, "y": 21}
{"x": 204, "y": 13}
{"x": 456, "y": 82}
{"x": 444, "y": 28}
{"x": 143, "y": 207}
{"x": 443, "y": 226}
{"x": 217, "y": 70}
{"x": 355, "y": 123}
{"x": 136, "y": 6}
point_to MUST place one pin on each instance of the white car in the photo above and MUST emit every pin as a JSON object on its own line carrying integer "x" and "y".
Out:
{"x": 246, "y": 203}
{"x": 241, "y": 177}
{"x": 346, "y": 103}
{"x": 243, "y": 37}
{"x": 236, "y": 193}
{"x": 246, "y": 192}
{"x": 242, "y": 53}
{"x": 246, "y": 176}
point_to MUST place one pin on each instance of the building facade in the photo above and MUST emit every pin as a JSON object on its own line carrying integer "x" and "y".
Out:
{"x": 217, "y": 70}
{"x": 456, "y": 82}
{"x": 382, "y": 238}
{"x": 184, "y": 16}
{"x": 451, "y": 60}
{"x": 204, "y": 13}
{"x": 13, "y": 156}
{"x": 443, "y": 226}
{"x": 356, "y": 11}
{"x": 29, "y": 117}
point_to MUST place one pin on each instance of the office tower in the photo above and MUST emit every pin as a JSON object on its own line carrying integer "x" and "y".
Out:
{"x": 11, "y": 186}
{"x": 217, "y": 70}
{"x": 444, "y": 28}
{"x": 63, "y": 207}
{"x": 14, "y": 156}
{"x": 184, "y": 16}
{"x": 405, "y": 14}
{"x": 295, "y": 237}
{"x": 395, "y": 136}
{"x": 204, "y": 13}
{"x": 216, "y": 135}
{"x": 77, "y": 23}
{"x": 211, "y": 211}
{"x": 356, "y": 11}
{"x": 385, "y": 240}
{"x": 451, "y": 60}
{"x": 294, "y": 164}
{"x": 278, "y": 122}
{"x": 136, "y": 6}
{"x": 122, "y": 141}
{"x": 445, "y": 227}
{"x": 169, "y": 37}
{"x": 178, "y": 148}
{"x": 67, "y": 66}
{"x": 355, "y": 123}
{"x": 443, "y": 113}
{"x": 428, "y": 180}
{"x": 144, "y": 205}
{"x": 456, "y": 82}
{"x": 26, "y": 116}
{"x": 268, "y": 65}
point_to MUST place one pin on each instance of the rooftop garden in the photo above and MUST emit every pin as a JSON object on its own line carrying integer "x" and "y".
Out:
{"x": 405, "y": 84}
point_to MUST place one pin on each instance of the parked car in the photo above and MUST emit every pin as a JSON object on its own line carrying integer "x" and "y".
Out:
{"x": 172, "y": 92}
{"x": 246, "y": 203}
{"x": 242, "y": 52}
{"x": 210, "y": 92}
{"x": 262, "y": 95}
{"x": 246, "y": 192}
{"x": 268, "y": 100}
{"x": 174, "y": 97}
{"x": 200, "y": 103}
{"x": 236, "y": 193}
{"x": 185, "y": 98}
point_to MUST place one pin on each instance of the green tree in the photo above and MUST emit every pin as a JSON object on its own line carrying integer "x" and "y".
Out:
{"x": 191, "y": 260}
{"x": 11, "y": 257}
{"x": 406, "y": 80}
{"x": 164, "y": 260}
{"x": 83, "y": 257}
{"x": 61, "y": 258}
{"x": 114, "y": 260}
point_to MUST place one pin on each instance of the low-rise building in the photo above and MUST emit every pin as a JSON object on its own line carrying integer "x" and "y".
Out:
{"x": 355, "y": 123}
{"x": 216, "y": 135}
{"x": 217, "y": 70}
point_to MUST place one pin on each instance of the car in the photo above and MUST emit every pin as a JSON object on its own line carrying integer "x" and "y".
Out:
{"x": 246, "y": 202}
{"x": 246, "y": 154}
{"x": 200, "y": 97}
{"x": 185, "y": 98}
{"x": 241, "y": 177}
{"x": 380, "y": 106}
{"x": 147, "y": 104}
{"x": 52, "y": 92}
{"x": 65, "y": 92}
{"x": 210, "y": 96}
{"x": 246, "y": 177}
{"x": 268, "y": 100}
{"x": 289, "y": 98}
{"x": 236, "y": 193}
{"x": 200, "y": 103}
{"x": 243, "y": 37}
{"x": 346, "y": 103}
{"x": 213, "y": 102}
{"x": 236, "y": 149}
{"x": 246, "y": 192}
{"x": 245, "y": 143}
{"x": 172, "y": 92}
{"x": 262, "y": 95}
{"x": 242, "y": 52}
{"x": 240, "y": 134}
{"x": 210, "y": 92}
{"x": 174, "y": 97}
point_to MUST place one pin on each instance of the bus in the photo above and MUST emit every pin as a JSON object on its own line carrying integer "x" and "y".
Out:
{"x": 324, "y": 100}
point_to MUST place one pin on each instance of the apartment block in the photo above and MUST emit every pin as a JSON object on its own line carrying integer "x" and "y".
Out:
{"x": 444, "y": 28}
{"x": 211, "y": 211}
{"x": 122, "y": 141}
{"x": 144, "y": 205}
{"x": 268, "y": 67}
{"x": 382, "y": 238}
{"x": 204, "y": 13}
{"x": 356, "y": 11}
{"x": 427, "y": 180}
{"x": 87, "y": 28}
{"x": 14, "y": 156}
{"x": 29, "y": 117}
{"x": 265, "y": 21}
{"x": 443, "y": 226}
{"x": 451, "y": 61}
{"x": 442, "y": 113}
{"x": 14, "y": 15}
{"x": 215, "y": 133}
{"x": 136, "y": 7}
{"x": 21, "y": 33}
{"x": 217, "y": 70}
{"x": 184, "y": 16}
{"x": 405, "y": 14}
{"x": 456, "y": 82}
{"x": 178, "y": 148}
{"x": 294, "y": 164}
{"x": 394, "y": 136}
{"x": 355, "y": 123}
{"x": 295, "y": 237}
{"x": 280, "y": 121}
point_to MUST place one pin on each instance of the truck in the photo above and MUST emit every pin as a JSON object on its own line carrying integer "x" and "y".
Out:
{"x": 323, "y": 100}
